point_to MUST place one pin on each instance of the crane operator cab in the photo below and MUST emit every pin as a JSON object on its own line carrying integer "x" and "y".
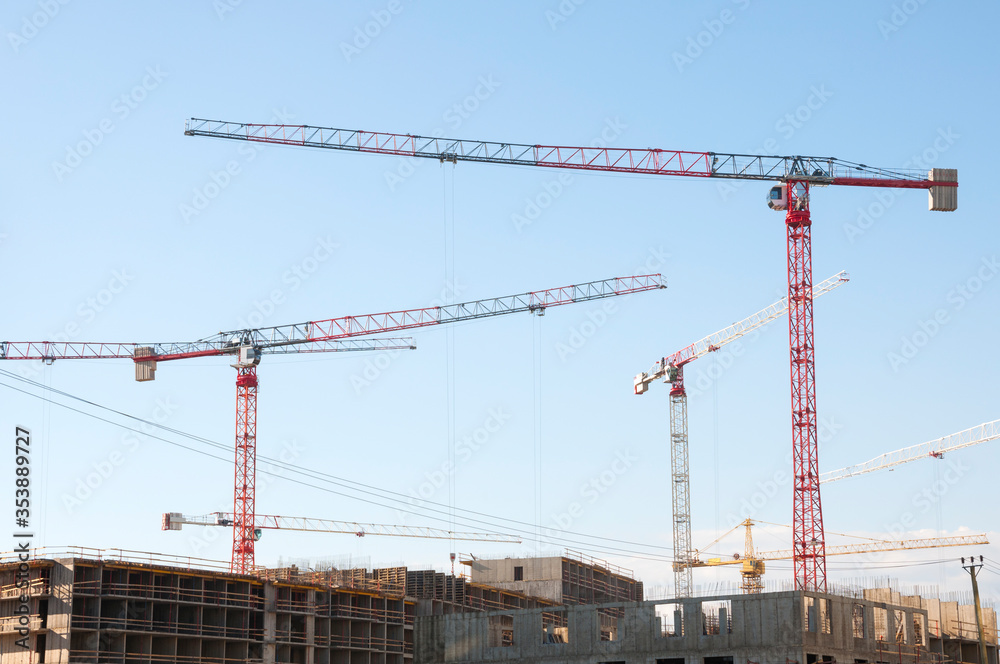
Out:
{"x": 248, "y": 357}
{"x": 777, "y": 198}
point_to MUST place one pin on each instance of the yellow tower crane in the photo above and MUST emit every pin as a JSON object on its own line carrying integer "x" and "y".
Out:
{"x": 753, "y": 562}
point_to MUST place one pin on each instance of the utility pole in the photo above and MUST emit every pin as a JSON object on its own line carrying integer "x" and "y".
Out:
{"x": 973, "y": 572}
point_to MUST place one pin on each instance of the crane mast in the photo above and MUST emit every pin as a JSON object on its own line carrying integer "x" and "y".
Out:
{"x": 796, "y": 175}
{"x": 809, "y": 561}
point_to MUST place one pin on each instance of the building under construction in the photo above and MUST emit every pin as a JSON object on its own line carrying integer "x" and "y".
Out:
{"x": 94, "y": 608}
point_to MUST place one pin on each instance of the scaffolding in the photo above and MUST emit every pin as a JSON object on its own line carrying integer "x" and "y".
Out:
{"x": 460, "y": 592}
{"x": 588, "y": 580}
{"x": 100, "y": 611}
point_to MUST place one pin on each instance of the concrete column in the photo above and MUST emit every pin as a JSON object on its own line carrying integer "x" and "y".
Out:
{"x": 693, "y": 624}
{"x": 57, "y": 642}
{"x": 270, "y": 621}
{"x": 311, "y": 627}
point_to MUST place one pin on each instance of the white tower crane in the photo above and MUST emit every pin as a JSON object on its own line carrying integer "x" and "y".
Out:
{"x": 932, "y": 449}
{"x": 671, "y": 370}
{"x": 174, "y": 521}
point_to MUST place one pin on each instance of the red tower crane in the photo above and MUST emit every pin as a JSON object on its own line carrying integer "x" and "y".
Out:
{"x": 247, "y": 347}
{"x": 797, "y": 174}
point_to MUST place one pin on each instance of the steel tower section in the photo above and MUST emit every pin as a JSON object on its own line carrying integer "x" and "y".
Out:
{"x": 680, "y": 485}
{"x": 246, "y": 470}
{"x": 808, "y": 542}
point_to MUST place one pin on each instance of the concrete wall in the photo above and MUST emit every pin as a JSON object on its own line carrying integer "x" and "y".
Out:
{"x": 502, "y": 570}
{"x": 57, "y": 608}
{"x": 557, "y": 579}
{"x": 541, "y": 577}
{"x": 57, "y": 642}
{"x": 769, "y": 628}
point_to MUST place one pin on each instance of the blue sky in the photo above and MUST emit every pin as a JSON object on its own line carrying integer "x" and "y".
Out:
{"x": 99, "y": 243}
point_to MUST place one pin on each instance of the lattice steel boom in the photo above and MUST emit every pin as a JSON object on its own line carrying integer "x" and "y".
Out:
{"x": 934, "y": 449}
{"x": 888, "y": 545}
{"x": 650, "y": 161}
{"x": 50, "y": 351}
{"x": 174, "y": 521}
{"x": 716, "y": 341}
{"x": 752, "y": 562}
{"x": 320, "y": 333}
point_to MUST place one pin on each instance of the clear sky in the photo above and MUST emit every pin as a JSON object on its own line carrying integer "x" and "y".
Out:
{"x": 114, "y": 226}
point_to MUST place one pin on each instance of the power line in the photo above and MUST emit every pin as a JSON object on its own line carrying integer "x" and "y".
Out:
{"x": 525, "y": 533}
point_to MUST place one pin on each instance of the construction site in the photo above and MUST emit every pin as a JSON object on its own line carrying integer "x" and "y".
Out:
{"x": 721, "y": 401}
{"x": 123, "y": 607}
{"x": 94, "y": 607}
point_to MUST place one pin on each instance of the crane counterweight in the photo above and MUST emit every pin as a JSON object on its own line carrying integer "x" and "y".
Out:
{"x": 943, "y": 198}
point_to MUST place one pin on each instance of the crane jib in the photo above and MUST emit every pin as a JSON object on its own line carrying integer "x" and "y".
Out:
{"x": 320, "y": 336}
{"x": 653, "y": 161}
